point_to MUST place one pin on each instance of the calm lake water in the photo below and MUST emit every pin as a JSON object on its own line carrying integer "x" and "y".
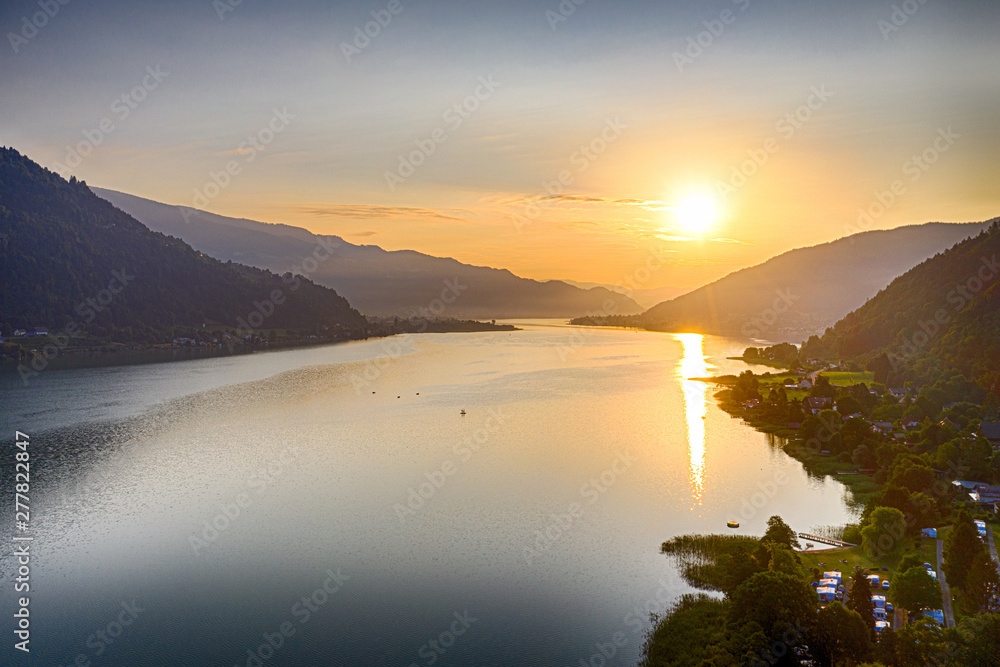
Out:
{"x": 525, "y": 532}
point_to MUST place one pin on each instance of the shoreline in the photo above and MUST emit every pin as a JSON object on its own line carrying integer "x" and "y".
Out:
{"x": 101, "y": 357}
{"x": 860, "y": 485}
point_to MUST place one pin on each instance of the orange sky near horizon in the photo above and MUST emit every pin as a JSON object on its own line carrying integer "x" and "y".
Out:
{"x": 557, "y": 151}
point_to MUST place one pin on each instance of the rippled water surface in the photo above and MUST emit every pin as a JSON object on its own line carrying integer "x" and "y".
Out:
{"x": 525, "y": 532}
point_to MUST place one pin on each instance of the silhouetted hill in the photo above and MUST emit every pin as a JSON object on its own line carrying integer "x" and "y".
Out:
{"x": 941, "y": 315}
{"x": 376, "y": 281}
{"x": 70, "y": 256}
{"x": 807, "y": 289}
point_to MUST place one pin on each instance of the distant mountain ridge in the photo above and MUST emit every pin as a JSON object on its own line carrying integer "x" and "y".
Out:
{"x": 943, "y": 314}
{"x": 71, "y": 257}
{"x": 807, "y": 289}
{"x": 377, "y": 282}
{"x": 647, "y": 298}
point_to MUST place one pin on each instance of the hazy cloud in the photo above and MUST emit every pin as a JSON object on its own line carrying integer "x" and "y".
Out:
{"x": 368, "y": 211}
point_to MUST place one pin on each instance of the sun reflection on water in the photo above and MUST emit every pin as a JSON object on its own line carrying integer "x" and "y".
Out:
{"x": 693, "y": 365}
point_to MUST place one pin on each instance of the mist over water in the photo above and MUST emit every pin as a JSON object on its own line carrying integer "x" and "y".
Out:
{"x": 339, "y": 493}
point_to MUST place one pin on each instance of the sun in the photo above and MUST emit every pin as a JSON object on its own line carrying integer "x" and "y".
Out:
{"x": 697, "y": 214}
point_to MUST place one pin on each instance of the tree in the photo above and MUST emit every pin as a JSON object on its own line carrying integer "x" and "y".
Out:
{"x": 981, "y": 639}
{"x": 737, "y": 567}
{"x": 982, "y": 585}
{"x": 863, "y": 456}
{"x": 772, "y": 602}
{"x": 855, "y": 431}
{"x": 852, "y": 533}
{"x": 823, "y": 388}
{"x": 831, "y": 421}
{"x": 887, "y": 649}
{"x": 907, "y": 561}
{"x": 925, "y": 643}
{"x": 890, "y": 496}
{"x": 960, "y": 548}
{"x": 882, "y": 367}
{"x": 784, "y": 560}
{"x": 923, "y": 509}
{"x": 779, "y": 532}
{"x": 692, "y": 627}
{"x": 840, "y": 635}
{"x": 915, "y": 590}
{"x": 911, "y": 475}
{"x": 885, "y": 529}
{"x": 746, "y": 387}
{"x": 860, "y": 599}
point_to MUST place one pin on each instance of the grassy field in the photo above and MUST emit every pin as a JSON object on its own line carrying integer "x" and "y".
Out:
{"x": 848, "y": 379}
{"x": 856, "y": 557}
{"x": 830, "y": 560}
{"x": 766, "y": 383}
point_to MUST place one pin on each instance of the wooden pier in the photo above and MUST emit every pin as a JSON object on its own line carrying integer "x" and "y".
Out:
{"x": 826, "y": 540}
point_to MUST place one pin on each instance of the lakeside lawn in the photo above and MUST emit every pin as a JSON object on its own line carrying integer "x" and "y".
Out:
{"x": 775, "y": 380}
{"x": 856, "y": 557}
{"x": 836, "y": 378}
{"x": 766, "y": 383}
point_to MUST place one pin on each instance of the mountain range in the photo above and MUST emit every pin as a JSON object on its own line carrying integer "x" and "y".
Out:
{"x": 808, "y": 289}
{"x": 942, "y": 314}
{"x": 375, "y": 281}
{"x": 63, "y": 245}
{"x": 76, "y": 265}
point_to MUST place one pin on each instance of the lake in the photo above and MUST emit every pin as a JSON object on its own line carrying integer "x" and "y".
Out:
{"x": 333, "y": 506}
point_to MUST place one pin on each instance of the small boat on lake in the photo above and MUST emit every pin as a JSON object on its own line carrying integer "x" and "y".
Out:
{"x": 462, "y": 412}
{"x": 733, "y": 524}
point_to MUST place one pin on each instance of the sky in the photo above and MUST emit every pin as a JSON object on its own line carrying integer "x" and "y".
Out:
{"x": 657, "y": 144}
